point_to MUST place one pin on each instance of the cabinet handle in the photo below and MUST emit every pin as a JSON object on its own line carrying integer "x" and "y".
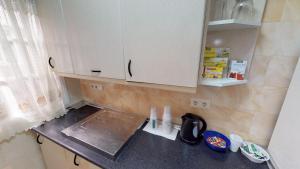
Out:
{"x": 96, "y": 71}
{"x": 129, "y": 68}
{"x": 74, "y": 161}
{"x": 38, "y": 139}
{"x": 50, "y": 64}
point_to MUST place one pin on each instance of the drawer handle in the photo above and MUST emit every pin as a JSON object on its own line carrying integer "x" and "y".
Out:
{"x": 96, "y": 71}
{"x": 129, "y": 68}
{"x": 38, "y": 139}
{"x": 74, "y": 161}
{"x": 50, "y": 64}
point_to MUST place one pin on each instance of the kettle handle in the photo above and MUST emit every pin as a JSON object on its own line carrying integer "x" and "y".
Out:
{"x": 203, "y": 127}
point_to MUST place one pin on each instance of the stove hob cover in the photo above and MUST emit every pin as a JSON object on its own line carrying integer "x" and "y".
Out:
{"x": 106, "y": 130}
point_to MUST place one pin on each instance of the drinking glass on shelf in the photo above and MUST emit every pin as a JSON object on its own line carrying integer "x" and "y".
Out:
{"x": 243, "y": 10}
{"x": 220, "y": 9}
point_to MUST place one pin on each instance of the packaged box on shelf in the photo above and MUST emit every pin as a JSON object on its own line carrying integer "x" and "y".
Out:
{"x": 213, "y": 72}
{"x": 219, "y": 62}
{"x": 216, "y": 52}
{"x": 238, "y": 69}
{"x": 216, "y": 62}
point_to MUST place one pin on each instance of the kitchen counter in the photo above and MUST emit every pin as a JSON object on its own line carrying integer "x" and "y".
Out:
{"x": 144, "y": 150}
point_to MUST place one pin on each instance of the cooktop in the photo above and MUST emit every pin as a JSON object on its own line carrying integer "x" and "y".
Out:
{"x": 106, "y": 130}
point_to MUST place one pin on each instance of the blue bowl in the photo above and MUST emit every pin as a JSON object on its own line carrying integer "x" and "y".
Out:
{"x": 211, "y": 133}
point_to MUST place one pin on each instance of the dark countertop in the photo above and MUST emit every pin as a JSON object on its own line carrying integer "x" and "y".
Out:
{"x": 144, "y": 150}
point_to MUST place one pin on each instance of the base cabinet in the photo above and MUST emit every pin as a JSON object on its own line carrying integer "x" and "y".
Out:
{"x": 53, "y": 154}
{"x": 57, "y": 157}
{"x": 82, "y": 164}
{"x": 92, "y": 166}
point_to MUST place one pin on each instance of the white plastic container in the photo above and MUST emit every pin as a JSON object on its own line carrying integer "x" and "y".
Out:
{"x": 153, "y": 118}
{"x": 167, "y": 126}
{"x": 236, "y": 142}
{"x": 252, "y": 157}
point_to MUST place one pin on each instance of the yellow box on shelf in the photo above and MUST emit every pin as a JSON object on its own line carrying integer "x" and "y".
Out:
{"x": 213, "y": 72}
{"x": 216, "y": 52}
{"x": 219, "y": 62}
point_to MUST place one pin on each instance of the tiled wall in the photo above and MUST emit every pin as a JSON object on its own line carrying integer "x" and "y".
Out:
{"x": 250, "y": 110}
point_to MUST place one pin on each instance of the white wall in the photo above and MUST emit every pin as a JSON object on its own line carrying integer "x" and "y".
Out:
{"x": 72, "y": 91}
{"x": 21, "y": 152}
{"x": 284, "y": 145}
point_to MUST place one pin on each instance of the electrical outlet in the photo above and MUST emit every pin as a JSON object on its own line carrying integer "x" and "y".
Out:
{"x": 95, "y": 86}
{"x": 200, "y": 103}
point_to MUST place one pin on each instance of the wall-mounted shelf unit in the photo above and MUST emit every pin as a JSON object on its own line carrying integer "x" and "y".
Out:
{"x": 238, "y": 36}
{"x": 222, "y": 82}
{"x": 230, "y": 24}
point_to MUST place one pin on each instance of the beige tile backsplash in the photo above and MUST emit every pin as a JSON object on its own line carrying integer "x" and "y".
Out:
{"x": 291, "y": 11}
{"x": 274, "y": 10}
{"x": 249, "y": 110}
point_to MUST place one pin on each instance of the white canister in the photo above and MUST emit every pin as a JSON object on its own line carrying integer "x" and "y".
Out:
{"x": 167, "y": 120}
{"x": 236, "y": 142}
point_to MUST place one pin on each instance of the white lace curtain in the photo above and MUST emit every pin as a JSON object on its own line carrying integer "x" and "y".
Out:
{"x": 29, "y": 91}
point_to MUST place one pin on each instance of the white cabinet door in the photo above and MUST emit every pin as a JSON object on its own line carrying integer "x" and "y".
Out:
{"x": 54, "y": 155}
{"x": 57, "y": 157}
{"x": 51, "y": 18}
{"x": 94, "y": 33}
{"x": 92, "y": 166}
{"x": 163, "y": 40}
{"x": 82, "y": 163}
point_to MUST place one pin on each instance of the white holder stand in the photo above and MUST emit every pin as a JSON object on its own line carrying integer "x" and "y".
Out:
{"x": 159, "y": 131}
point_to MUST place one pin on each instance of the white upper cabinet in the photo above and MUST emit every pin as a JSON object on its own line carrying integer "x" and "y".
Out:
{"x": 150, "y": 41}
{"x": 163, "y": 40}
{"x": 94, "y": 35}
{"x": 52, "y": 22}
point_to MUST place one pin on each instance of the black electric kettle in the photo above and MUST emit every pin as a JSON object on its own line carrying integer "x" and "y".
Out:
{"x": 192, "y": 128}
